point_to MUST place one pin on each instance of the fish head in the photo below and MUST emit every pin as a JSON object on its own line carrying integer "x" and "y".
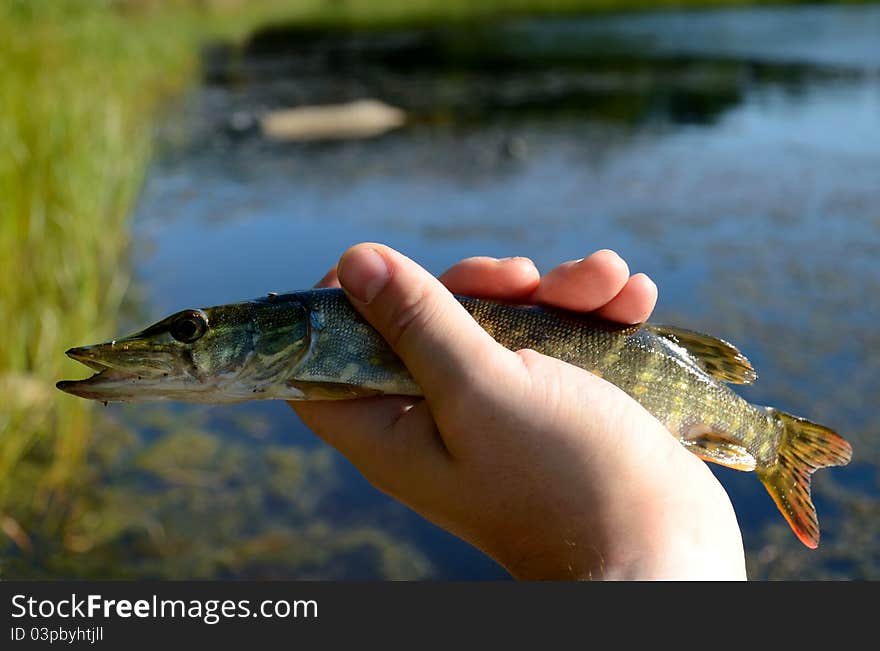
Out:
{"x": 222, "y": 354}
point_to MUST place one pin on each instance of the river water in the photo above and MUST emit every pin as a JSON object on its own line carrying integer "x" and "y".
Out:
{"x": 732, "y": 155}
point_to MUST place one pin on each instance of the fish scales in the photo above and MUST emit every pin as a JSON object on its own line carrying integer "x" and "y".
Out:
{"x": 313, "y": 345}
{"x": 659, "y": 376}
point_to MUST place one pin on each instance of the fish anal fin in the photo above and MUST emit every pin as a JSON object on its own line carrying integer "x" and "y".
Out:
{"x": 718, "y": 447}
{"x": 717, "y": 357}
{"x": 805, "y": 447}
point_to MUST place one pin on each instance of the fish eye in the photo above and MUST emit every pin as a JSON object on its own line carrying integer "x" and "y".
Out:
{"x": 188, "y": 326}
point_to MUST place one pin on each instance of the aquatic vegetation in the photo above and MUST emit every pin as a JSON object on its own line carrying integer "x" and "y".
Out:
{"x": 189, "y": 504}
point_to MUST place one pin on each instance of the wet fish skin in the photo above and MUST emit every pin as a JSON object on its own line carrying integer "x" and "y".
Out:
{"x": 313, "y": 345}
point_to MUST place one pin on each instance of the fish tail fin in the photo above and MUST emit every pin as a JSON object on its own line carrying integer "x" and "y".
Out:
{"x": 805, "y": 447}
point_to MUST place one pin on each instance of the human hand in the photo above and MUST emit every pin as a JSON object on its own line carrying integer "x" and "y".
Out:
{"x": 550, "y": 470}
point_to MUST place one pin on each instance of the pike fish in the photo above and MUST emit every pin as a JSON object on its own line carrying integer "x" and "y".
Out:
{"x": 312, "y": 345}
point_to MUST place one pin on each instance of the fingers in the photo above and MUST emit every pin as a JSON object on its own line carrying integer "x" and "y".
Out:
{"x": 508, "y": 279}
{"x": 441, "y": 345}
{"x": 600, "y": 283}
{"x": 331, "y": 420}
{"x": 389, "y": 439}
{"x": 584, "y": 285}
{"x": 329, "y": 279}
{"x": 634, "y": 303}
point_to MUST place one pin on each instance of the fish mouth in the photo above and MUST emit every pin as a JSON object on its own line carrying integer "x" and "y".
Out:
{"x": 96, "y": 387}
{"x": 113, "y": 378}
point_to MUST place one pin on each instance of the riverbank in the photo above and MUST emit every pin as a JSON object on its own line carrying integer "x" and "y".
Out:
{"x": 80, "y": 86}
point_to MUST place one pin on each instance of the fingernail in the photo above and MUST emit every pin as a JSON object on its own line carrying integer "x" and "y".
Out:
{"x": 363, "y": 273}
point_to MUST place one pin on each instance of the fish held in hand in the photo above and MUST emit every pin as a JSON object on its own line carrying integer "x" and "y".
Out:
{"x": 312, "y": 345}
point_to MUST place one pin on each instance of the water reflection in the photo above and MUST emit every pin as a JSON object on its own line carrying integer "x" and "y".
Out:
{"x": 734, "y": 156}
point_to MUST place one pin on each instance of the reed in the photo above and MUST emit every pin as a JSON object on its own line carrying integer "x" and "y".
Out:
{"x": 80, "y": 83}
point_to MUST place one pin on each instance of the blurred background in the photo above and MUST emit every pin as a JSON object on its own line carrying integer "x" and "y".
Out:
{"x": 154, "y": 156}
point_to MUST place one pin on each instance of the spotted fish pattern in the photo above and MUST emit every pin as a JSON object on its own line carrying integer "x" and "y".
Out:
{"x": 312, "y": 345}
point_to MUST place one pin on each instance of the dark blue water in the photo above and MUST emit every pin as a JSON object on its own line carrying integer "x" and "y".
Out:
{"x": 734, "y": 156}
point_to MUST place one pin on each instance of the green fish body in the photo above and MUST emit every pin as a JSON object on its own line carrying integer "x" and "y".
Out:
{"x": 312, "y": 345}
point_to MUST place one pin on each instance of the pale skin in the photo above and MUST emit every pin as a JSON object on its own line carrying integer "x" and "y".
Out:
{"x": 550, "y": 470}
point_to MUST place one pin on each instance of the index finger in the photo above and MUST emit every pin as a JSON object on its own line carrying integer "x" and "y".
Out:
{"x": 505, "y": 279}
{"x": 330, "y": 279}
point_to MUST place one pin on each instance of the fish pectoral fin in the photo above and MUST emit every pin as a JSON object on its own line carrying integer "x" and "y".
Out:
{"x": 717, "y": 447}
{"x": 717, "y": 357}
{"x": 331, "y": 390}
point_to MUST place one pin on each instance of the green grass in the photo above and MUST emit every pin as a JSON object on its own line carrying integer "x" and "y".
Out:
{"x": 81, "y": 82}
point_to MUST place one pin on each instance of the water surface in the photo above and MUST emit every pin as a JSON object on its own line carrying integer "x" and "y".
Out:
{"x": 732, "y": 155}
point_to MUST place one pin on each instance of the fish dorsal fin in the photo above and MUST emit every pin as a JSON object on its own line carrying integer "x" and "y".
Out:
{"x": 717, "y": 357}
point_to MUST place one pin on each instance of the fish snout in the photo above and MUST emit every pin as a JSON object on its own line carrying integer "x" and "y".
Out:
{"x": 125, "y": 356}
{"x": 95, "y": 356}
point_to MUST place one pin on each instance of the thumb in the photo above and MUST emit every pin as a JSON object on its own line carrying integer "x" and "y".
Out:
{"x": 438, "y": 341}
